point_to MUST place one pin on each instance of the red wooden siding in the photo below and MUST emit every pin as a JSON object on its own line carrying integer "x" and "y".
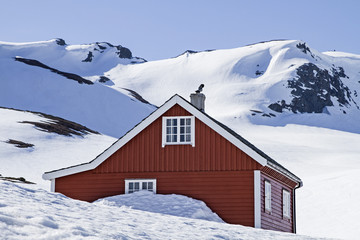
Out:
{"x": 214, "y": 171}
{"x": 229, "y": 194}
{"x": 144, "y": 153}
{"x": 275, "y": 219}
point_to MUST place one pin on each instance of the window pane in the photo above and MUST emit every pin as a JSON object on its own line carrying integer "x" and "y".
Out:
{"x": 168, "y": 138}
{"x": 174, "y": 138}
{"x": 174, "y": 130}
{"x": 168, "y": 130}
{"x": 150, "y": 186}
{"x": 182, "y": 138}
{"x": 188, "y": 129}
{"x": 182, "y": 121}
{"x": 188, "y": 121}
{"x": 182, "y": 129}
{"x": 168, "y": 122}
{"x": 144, "y": 186}
{"x": 137, "y": 186}
{"x": 174, "y": 122}
{"x": 188, "y": 138}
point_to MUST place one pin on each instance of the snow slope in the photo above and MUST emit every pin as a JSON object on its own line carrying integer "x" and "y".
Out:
{"x": 50, "y": 150}
{"x": 54, "y": 216}
{"x": 97, "y": 106}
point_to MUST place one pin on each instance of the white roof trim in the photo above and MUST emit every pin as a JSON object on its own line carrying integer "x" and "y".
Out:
{"x": 176, "y": 99}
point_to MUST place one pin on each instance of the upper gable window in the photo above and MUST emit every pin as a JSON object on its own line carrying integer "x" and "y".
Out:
{"x": 178, "y": 130}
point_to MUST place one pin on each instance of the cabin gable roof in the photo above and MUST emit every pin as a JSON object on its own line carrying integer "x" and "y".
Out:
{"x": 218, "y": 127}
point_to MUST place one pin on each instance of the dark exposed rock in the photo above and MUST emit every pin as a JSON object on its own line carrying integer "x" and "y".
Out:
{"x": 256, "y": 111}
{"x": 305, "y": 49}
{"x": 124, "y": 52}
{"x": 109, "y": 44}
{"x": 313, "y": 88}
{"x": 71, "y": 76}
{"x": 139, "y": 58}
{"x": 19, "y": 144}
{"x": 57, "y": 124}
{"x": 60, "y": 42}
{"x": 100, "y": 46}
{"x": 104, "y": 79}
{"x": 60, "y": 126}
{"x": 15, "y": 179}
{"x": 302, "y": 46}
{"x": 89, "y": 57}
{"x": 136, "y": 95}
{"x": 193, "y": 52}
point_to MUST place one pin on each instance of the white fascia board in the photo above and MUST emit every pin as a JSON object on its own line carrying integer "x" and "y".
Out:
{"x": 257, "y": 199}
{"x": 176, "y": 99}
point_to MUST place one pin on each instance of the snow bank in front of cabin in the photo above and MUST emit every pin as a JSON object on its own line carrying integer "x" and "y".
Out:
{"x": 38, "y": 214}
{"x": 172, "y": 204}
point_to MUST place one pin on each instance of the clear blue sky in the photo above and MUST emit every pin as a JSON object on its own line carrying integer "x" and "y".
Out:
{"x": 163, "y": 29}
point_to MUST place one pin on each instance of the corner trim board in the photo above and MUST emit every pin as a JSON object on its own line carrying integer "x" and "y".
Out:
{"x": 257, "y": 199}
{"x": 52, "y": 185}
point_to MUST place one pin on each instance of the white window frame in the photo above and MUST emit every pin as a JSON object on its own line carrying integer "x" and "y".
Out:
{"x": 140, "y": 181}
{"x": 267, "y": 196}
{"x": 192, "y": 131}
{"x": 286, "y": 203}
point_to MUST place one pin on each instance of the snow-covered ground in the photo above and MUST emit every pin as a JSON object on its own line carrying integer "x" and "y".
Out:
{"x": 327, "y": 160}
{"x": 28, "y": 213}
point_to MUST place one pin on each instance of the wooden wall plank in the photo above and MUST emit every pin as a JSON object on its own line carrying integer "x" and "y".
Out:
{"x": 229, "y": 194}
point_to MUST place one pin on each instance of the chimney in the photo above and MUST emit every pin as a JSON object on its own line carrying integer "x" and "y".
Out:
{"x": 198, "y": 99}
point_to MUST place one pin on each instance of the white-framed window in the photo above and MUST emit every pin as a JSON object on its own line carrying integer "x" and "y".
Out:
{"x": 267, "y": 196}
{"x": 286, "y": 203}
{"x": 135, "y": 185}
{"x": 178, "y": 130}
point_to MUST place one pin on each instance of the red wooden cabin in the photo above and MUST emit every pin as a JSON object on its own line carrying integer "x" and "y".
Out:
{"x": 180, "y": 149}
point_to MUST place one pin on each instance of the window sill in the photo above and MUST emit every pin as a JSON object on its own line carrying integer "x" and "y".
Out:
{"x": 268, "y": 212}
{"x": 175, "y": 144}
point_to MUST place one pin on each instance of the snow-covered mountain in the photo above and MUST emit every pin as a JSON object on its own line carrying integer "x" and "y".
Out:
{"x": 272, "y": 83}
{"x": 296, "y": 104}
